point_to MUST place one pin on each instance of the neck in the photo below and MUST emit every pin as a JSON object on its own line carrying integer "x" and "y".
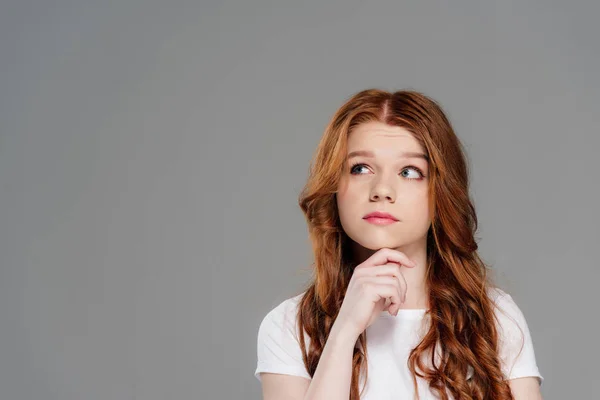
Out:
{"x": 417, "y": 294}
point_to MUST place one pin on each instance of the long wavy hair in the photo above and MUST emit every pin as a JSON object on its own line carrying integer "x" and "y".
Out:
{"x": 462, "y": 331}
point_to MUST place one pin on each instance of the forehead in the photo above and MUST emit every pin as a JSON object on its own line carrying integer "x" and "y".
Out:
{"x": 382, "y": 139}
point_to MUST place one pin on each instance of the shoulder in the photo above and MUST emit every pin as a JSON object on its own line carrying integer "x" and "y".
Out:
{"x": 278, "y": 346}
{"x": 280, "y": 324}
{"x": 509, "y": 318}
{"x": 284, "y": 314}
{"x": 508, "y": 314}
{"x": 515, "y": 343}
{"x": 497, "y": 294}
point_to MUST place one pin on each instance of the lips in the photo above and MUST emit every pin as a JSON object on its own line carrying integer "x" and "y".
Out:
{"x": 379, "y": 214}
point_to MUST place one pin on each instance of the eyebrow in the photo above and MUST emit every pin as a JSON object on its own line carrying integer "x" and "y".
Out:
{"x": 406, "y": 154}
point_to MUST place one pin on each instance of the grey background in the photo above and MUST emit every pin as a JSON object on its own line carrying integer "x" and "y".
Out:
{"x": 151, "y": 155}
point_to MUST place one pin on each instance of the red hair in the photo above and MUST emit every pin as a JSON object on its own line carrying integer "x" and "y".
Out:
{"x": 462, "y": 330}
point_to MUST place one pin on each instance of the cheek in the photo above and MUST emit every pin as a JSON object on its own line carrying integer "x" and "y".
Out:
{"x": 347, "y": 205}
{"x": 344, "y": 203}
{"x": 419, "y": 209}
{"x": 345, "y": 195}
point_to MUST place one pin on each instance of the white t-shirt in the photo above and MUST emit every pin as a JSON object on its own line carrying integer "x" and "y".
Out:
{"x": 389, "y": 342}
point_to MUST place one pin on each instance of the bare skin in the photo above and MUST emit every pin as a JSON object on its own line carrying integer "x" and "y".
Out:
{"x": 385, "y": 172}
{"x": 373, "y": 282}
{"x": 391, "y": 258}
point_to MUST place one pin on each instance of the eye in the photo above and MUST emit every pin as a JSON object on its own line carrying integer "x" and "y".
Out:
{"x": 420, "y": 174}
{"x": 356, "y": 167}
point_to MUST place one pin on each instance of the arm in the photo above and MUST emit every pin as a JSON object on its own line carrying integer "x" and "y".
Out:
{"x": 373, "y": 282}
{"x": 516, "y": 351}
{"x": 526, "y": 388}
{"x": 332, "y": 377}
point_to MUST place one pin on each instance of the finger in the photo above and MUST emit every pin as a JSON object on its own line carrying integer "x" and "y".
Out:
{"x": 384, "y": 281}
{"x": 388, "y": 302}
{"x": 390, "y": 291}
{"x": 405, "y": 288}
{"x": 378, "y": 292}
{"x": 386, "y": 255}
{"x": 391, "y": 269}
{"x": 402, "y": 289}
{"x": 395, "y": 271}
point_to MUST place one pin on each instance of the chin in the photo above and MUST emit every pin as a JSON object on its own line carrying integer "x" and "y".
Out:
{"x": 376, "y": 244}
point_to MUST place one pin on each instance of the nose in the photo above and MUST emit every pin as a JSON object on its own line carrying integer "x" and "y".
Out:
{"x": 383, "y": 191}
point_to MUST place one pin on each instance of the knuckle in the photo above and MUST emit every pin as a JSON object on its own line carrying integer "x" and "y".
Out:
{"x": 355, "y": 281}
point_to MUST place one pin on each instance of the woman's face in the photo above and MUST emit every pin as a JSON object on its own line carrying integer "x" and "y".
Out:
{"x": 381, "y": 174}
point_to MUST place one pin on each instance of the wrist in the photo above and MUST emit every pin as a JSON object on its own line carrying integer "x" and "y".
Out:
{"x": 343, "y": 336}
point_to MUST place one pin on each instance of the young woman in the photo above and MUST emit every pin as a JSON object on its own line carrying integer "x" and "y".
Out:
{"x": 401, "y": 306}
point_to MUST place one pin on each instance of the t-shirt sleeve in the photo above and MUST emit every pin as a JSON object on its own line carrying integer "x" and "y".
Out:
{"x": 515, "y": 343}
{"x": 278, "y": 346}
